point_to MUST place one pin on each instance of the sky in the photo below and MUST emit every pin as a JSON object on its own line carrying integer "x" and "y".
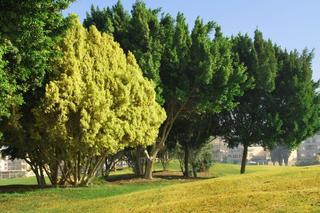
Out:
{"x": 289, "y": 23}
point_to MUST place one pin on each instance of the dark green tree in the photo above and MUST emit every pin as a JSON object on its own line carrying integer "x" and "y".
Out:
{"x": 252, "y": 122}
{"x": 198, "y": 75}
{"x": 295, "y": 98}
{"x": 191, "y": 134}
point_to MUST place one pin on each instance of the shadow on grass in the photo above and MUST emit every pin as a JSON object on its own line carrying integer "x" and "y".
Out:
{"x": 164, "y": 175}
{"x": 20, "y": 188}
{"x": 175, "y": 175}
{"x": 122, "y": 177}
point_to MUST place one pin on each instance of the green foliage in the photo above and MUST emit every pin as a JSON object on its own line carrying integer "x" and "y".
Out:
{"x": 299, "y": 113}
{"x": 203, "y": 158}
{"x": 190, "y": 137}
{"x": 8, "y": 88}
{"x": 99, "y": 102}
{"x": 192, "y": 72}
{"x": 138, "y": 33}
{"x": 252, "y": 121}
{"x": 33, "y": 27}
{"x": 29, "y": 32}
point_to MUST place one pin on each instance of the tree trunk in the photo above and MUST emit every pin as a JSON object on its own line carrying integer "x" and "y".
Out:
{"x": 186, "y": 161}
{"x": 149, "y": 168}
{"x": 42, "y": 177}
{"x": 36, "y": 172}
{"x": 172, "y": 114}
{"x": 244, "y": 159}
{"x": 194, "y": 170}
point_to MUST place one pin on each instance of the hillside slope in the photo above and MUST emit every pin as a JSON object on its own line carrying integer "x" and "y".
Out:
{"x": 282, "y": 189}
{"x": 289, "y": 190}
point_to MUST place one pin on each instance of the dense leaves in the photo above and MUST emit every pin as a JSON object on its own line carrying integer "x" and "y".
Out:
{"x": 99, "y": 103}
{"x": 252, "y": 121}
{"x": 71, "y": 96}
{"x": 295, "y": 98}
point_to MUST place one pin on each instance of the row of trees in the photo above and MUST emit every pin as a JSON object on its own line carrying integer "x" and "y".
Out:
{"x": 72, "y": 99}
{"x": 250, "y": 91}
{"x": 194, "y": 73}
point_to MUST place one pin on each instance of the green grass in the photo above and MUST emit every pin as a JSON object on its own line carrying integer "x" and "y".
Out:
{"x": 262, "y": 189}
{"x": 24, "y": 180}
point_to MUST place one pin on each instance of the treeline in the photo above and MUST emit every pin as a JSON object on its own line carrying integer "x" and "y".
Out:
{"x": 76, "y": 98}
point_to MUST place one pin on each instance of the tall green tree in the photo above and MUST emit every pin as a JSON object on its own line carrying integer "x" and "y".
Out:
{"x": 198, "y": 75}
{"x": 253, "y": 122}
{"x": 98, "y": 104}
{"x": 296, "y": 98}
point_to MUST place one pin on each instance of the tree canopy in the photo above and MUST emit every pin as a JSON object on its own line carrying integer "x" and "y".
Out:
{"x": 99, "y": 102}
{"x": 252, "y": 121}
{"x": 296, "y": 99}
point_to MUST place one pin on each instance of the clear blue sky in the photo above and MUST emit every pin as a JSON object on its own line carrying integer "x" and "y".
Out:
{"x": 291, "y": 24}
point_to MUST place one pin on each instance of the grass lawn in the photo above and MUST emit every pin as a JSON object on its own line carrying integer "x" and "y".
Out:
{"x": 262, "y": 189}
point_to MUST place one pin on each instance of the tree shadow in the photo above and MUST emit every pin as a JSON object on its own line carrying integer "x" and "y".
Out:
{"x": 122, "y": 177}
{"x": 177, "y": 175}
{"x": 164, "y": 175}
{"x": 21, "y": 188}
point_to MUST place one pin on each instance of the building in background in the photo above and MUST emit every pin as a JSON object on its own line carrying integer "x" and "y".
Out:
{"x": 309, "y": 151}
{"x": 257, "y": 155}
{"x": 13, "y": 168}
{"x": 221, "y": 153}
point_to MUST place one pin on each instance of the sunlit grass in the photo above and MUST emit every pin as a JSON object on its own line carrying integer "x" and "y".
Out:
{"x": 262, "y": 189}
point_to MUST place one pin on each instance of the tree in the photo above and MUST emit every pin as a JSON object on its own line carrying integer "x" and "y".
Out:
{"x": 191, "y": 135}
{"x": 202, "y": 159}
{"x": 295, "y": 98}
{"x": 198, "y": 75}
{"x": 98, "y": 103}
{"x": 252, "y": 121}
{"x": 29, "y": 33}
{"x": 280, "y": 154}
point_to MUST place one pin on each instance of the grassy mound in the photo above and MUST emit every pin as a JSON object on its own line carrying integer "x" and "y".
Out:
{"x": 263, "y": 189}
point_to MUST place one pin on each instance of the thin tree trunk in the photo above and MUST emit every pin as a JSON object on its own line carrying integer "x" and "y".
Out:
{"x": 36, "y": 172}
{"x": 156, "y": 148}
{"x": 99, "y": 162}
{"x": 172, "y": 114}
{"x": 194, "y": 170}
{"x": 149, "y": 168}
{"x": 42, "y": 178}
{"x": 186, "y": 161}
{"x": 244, "y": 159}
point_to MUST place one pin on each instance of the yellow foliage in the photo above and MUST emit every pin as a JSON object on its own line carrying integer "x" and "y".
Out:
{"x": 99, "y": 99}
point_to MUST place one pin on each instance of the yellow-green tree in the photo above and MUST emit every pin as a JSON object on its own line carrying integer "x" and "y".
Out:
{"x": 97, "y": 104}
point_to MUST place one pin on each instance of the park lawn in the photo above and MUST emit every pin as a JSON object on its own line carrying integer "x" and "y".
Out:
{"x": 262, "y": 189}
